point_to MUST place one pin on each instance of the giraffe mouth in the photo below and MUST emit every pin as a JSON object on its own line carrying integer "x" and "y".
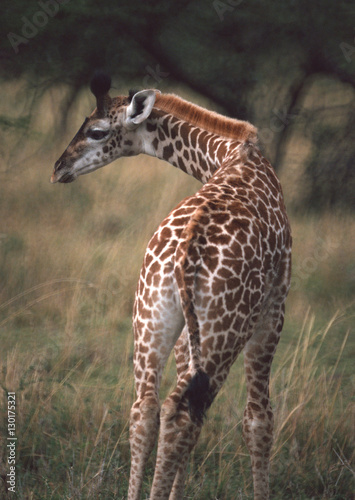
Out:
{"x": 66, "y": 178}
{"x": 63, "y": 178}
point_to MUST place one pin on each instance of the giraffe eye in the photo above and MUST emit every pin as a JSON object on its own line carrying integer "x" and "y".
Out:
{"x": 97, "y": 134}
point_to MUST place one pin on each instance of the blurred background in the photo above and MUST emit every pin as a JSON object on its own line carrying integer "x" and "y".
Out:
{"x": 288, "y": 67}
{"x": 70, "y": 254}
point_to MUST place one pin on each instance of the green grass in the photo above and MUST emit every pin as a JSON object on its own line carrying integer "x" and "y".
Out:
{"x": 69, "y": 261}
{"x": 74, "y": 395}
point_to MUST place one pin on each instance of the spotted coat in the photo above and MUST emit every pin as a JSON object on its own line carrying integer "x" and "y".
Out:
{"x": 214, "y": 279}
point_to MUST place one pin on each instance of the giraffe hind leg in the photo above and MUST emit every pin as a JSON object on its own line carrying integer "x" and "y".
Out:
{"x": 258, "y": 417}
{"x": 144, "y": 427}
{"x": 154, "y": 340}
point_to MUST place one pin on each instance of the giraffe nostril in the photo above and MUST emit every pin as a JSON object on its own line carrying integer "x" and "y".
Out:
{"x": 58, "y": 165}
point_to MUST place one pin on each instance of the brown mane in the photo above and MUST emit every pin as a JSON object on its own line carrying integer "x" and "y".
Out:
{"x": 207, "y": 120}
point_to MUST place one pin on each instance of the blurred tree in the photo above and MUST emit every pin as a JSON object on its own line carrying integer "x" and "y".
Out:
{"x": 255, "y": 61}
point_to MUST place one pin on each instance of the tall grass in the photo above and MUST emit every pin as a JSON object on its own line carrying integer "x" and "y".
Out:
{"x": 74, "y": 396}
{"x": 69, "y": 261}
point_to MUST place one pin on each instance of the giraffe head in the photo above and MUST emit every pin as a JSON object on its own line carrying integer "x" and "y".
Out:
{"x": 113, "y": 129}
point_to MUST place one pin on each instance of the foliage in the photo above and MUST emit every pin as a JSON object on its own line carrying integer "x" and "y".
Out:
{"x": 231, "y": 52}
{"x": 330, "y": 171}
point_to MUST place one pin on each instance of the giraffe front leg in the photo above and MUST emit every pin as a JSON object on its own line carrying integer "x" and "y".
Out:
{"x": 178, "y": 433}
{"x": 177, "y": 492}
{"x": 181, "y": 351}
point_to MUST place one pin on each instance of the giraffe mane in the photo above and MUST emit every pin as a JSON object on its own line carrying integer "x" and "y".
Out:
{"x": 207, "y": 120}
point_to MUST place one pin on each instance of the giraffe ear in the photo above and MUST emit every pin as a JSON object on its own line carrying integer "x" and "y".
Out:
{"x": 100, "y": 85}
{"x": 140, "y": 107}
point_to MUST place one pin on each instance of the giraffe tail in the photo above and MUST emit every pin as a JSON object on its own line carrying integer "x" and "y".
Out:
{"x": 198, "y": 395}
{"x": 198, "y": 392}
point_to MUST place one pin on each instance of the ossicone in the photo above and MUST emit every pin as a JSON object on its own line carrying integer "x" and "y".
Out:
{"x": 100, "y": 84}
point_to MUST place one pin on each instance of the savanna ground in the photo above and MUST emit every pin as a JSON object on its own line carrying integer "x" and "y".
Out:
{"x": 69, "y": 261}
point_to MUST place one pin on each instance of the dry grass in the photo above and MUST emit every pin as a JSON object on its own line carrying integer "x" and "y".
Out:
{"x": 69, "y": 261}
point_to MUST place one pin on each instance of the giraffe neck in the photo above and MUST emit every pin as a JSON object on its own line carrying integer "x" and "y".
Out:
{"x": 192, "y": 150}
{"x": 196, "y": 142}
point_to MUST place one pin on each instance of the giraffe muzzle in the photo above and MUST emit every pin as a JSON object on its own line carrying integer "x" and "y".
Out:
{"x": 63, "y": 177}
{"x": 61, "y": 174}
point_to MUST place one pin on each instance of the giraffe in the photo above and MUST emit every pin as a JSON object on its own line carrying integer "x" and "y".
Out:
{"x": 214, "y": 278}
